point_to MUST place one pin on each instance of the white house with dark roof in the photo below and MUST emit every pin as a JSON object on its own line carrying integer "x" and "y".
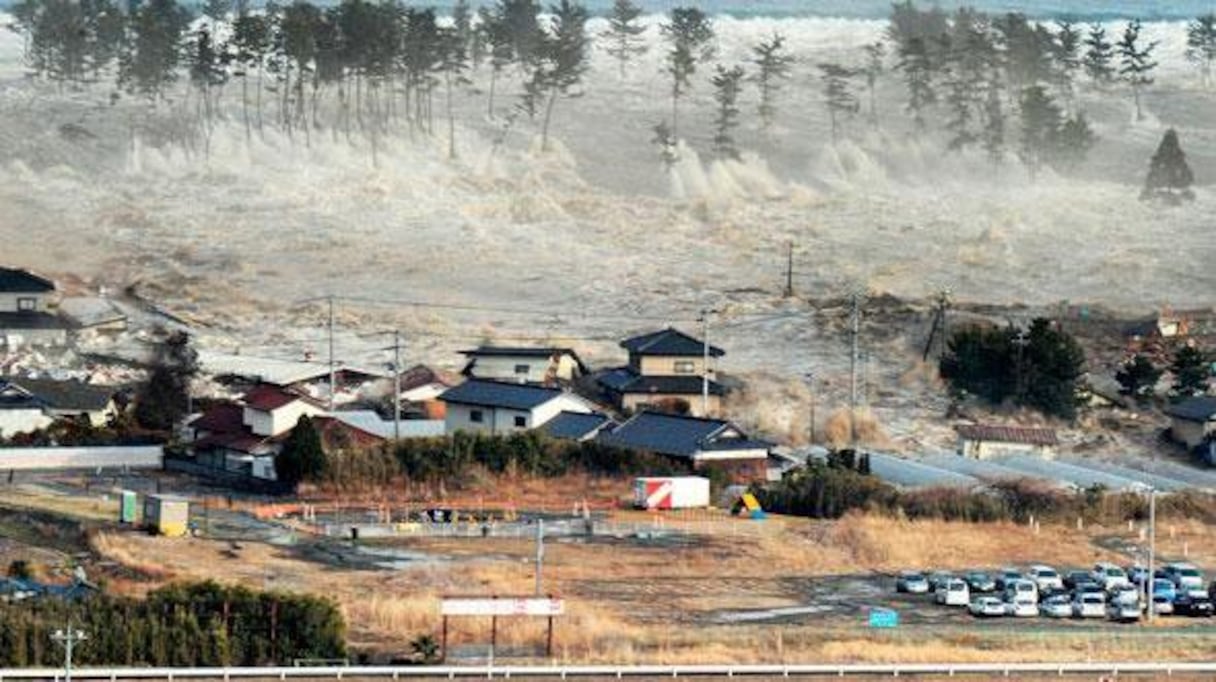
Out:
{"x": 701, "y": 442}
{"x": 1192, "y": 421}
{"x": 497, "y": 408}
{"x": 666, "y": 369}
{"x": 983, "y": 441}
{"x": 25, "y": 310}
{"x": 523, "y": 365}
{"x": 55, "y": 400}
{"x": 578, "y": 426}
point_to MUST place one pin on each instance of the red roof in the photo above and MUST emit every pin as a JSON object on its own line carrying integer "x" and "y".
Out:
{"x": 267, "y": 398}
{"x": 224, "y": 418}
{"x": 336, "y": 433}
{"x": 1008, "y": 434}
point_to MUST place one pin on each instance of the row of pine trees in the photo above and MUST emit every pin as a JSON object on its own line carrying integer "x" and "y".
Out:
{"x": 1003, "y": 84}
{"x": 203, "y": 624}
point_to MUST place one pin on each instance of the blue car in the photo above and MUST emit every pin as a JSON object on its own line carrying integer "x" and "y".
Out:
{"x": 1164, "y": 587}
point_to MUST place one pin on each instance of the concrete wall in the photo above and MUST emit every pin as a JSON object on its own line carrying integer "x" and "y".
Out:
{"x": 118, "y": 457}
{"x": 635, "y": 401}
{"x": 982, "y": 449}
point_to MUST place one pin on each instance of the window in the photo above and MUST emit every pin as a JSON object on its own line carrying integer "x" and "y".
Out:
{"x": 476, "y": 416}
{"x": 27, "y": 304}
{"x": 521, "y": 422}
{"x": 685, "y": 367}
{"x": 522, "y": 369}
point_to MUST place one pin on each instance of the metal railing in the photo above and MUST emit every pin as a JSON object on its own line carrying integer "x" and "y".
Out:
{"x": 620, "y": 672}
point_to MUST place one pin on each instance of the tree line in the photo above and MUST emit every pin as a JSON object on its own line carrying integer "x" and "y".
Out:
{"x": 194, "y": 624}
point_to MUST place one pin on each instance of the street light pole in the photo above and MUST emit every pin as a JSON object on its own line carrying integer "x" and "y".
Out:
{"x": 68, "y": 638}
{"x": 1152, "y": 549}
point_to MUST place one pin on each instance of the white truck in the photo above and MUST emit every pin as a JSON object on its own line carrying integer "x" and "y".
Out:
{"x": 671, "y": 492}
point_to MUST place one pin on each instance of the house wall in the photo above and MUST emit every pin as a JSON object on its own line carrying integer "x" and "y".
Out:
{"x": 665, "y": 366}
{"x": 18, "y": 338}
{"x": 741, "y": 471}
{"x": 542, "y": 414}
{"x": 982, "y": 449}
{"x": 502, "y": 368}
{"x": 278, "y": 421}
{"x": 13, "y": 422}
{"x": 96, "y": 417}
{"x": 499, "y": 421}
{"x": 8, "y": 302}
{"x": 1189, "y": 432}
{"x": 636, "y": 401}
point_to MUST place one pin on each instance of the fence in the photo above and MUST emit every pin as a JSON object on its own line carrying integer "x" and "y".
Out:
{"x": 66, "y": 458}
{"x": 559, "y": 528}
{"x": 620, "y": 672}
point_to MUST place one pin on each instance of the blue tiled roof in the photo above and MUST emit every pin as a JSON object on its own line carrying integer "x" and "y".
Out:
{"x": 676, "y": 435}
{"x": 575, "y": 425}
{"x": 624, "y": 380}
{"x": 499, "y": 394}
{"x": 1194, "y": 409}
{"x": 670, "y": 342}
{"x": 23, "y": 282}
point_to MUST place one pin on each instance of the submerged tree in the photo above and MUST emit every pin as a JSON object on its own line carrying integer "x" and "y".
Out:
{"x": 838, "y": 93}
{"x": 1099, "y": 55}
{"x": 1191, "y": 369}
{"x": 690, "y": 36}
{"x": 1201, "y": 44}
{"x": 1066, "y": 56}
{"x": 876, "y": 54}
{"x": 1135, "y": 62}
{"x": 152, "y": 54}
{"x": 1138, "y": 377}
{"x": 1041, "y": 120}
{"x": 164, "y": 399}
{"x": 915, "y": 62}
{"x": 773, "y": 64}
{"x": 727, "y": 83}
{"x": 625, "y": 33}
{"x": 1169, "y": 175}
{"x": 563, "y": 57}
{"x": 992, "y": 136}
{"x": 453, "y": 63}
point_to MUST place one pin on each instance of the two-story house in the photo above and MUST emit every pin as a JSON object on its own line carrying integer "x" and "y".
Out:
{"x": 523, "y": 365}
{"x": 25, "y": 304}
{"x": 246, "y": 437}
{"x": 667, "y": 371}
{"x": 498, "y": 408}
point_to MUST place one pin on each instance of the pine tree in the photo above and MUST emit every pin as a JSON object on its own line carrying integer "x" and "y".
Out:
{"x": 151, "y": 56}
{"x": 1073, "y": 141}
{"x": 993, "y": 134}
{"x": 1099, "y": 55}
{"x": 163, "y": 400}
{"x": 302, "y": 457}
{"x": 960, "y": 100}
{"x": 690, "y": 35}
{"x": 564, "y": 56}
{"x": 462, "y": 25}
{"x": 625, "y": 33}
{"x": 1041, "y": 120}
{"x": 1066, "y": 55}
{"x": 1191, "y": 369}
{"x": 453, "y": 63}
{"x": 875, "y": 65}
{"x": 727, "y": 84}
{"x": 773, "y": 66}
{"x": 1201, "y": 44}
{"x": 1169, "y": 175}
{"x": 205, "y": 68}
{"x": 917, "y": 66}
{"x": 1138, "y": 377}
{"x": 838, "y": 93}
{"x": 247, "y": 47}
{"x": 1135, "y": 62}
{"x": 666, "y": 143}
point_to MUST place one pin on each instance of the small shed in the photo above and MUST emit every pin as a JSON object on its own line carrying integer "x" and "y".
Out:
{"x": 128, "y": 507}
{"x": 983, "y": 441}
{"x": 167, "y": 515}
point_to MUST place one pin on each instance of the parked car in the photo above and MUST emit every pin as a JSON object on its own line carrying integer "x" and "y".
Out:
{"x": 1087, "y": 587}
{"x": 1006, "y": 576}
{"x": 912, "y": 582}
{"x": 986, "y": 607}
{"x": 1193, "y": 605}
{"x": 1089, "y": 605}
{"x": 939, "y": 578}
{"x": 1123, "y": 612}
{"x": 1046, "y": 578}
{"x": 1022, "y": 589}
{"x": 1124, "y": 594}
{"x": 978, "y": 581}
{"x": 1075, "y": 577}
{"x": 1022, "y": 607}
{"x": 1184, "y": 576}
{"x": 1165, "y": 588}
{"x": 1137, "y": 574}
{"x": 1109, "y": 575}
{"x": 1162, "y": 605}
{"x": 953, "y": 593}
{"x": 1057, "y": 606}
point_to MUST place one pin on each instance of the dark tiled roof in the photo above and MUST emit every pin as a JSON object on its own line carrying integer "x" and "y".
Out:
{"x": 575, "y": 425}
{"x": 499, "y": 394}
{"x": 69, "y": 396}
{"x": 669, "y": 342}
{"x": 1199, "y": 409}
{"x": 266, "y": 398}
{"x": 624, "y": 380}
{"x": 676, "y": 435}
{"x": 1008, "y": 434}
{"x": 33, "y": 320}
{"x": 421, "y": 375}
{"x": 224, "y": 418}
{"x": 23, "y": 282}
{"x": 492, "y": 351}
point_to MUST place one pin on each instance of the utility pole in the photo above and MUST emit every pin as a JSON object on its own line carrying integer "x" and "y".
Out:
{"x": 810, "y": 383}
{"x": 705, "y": 362}
{"x": 396, "y": 385}
{"x": 540, "y": 556}
{"x": 68, "y": 638}
{"x": 1152, "y": 550}
{"x": 1021, "y": 341}
{"x": 789, "y": 270}
{"x": 855, "y": 332}
{"x": 333, "y": 372}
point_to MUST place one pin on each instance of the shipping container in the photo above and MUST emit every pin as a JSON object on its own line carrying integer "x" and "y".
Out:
{"x": 128, "y": 508}
{"x": 167, "y": 515}
{"x": 671, "y": 492}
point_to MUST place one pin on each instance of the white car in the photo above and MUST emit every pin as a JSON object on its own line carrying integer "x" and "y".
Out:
{"x": 1162, "y": 605}
{"x": 1058, "y": 606}
{"x": 1046, "y": 578}
{"x": 1109, "y": 576}
{"x": 1124, "y": 612}
{"x": 1185, "y": 576}
{"x": 1022, "y": 589}
{"x": 1089, "y": 605}
{"x": 1022, "y": 608}
{"x": 1125, "y": 594}
{"x": 987, "y": 607}
{"x": 953, "y": 592}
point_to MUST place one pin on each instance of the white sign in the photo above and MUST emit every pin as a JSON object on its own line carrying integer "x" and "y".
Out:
{"x": 526, "y": 606}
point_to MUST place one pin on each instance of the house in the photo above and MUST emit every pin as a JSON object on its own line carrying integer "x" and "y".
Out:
{"x": 55, "y": 400}
{"x": 577, "y": 426}
{"x": 983, "y": 441}
{"x": 371, "y": 422}
{"x": 246, "y": 437}
{"x": 667, "y": 370}
{"x": 496, "y": 407}
{"x": 20, "y": 412}
{"x": 1192, "y": 421}
{"x": 523, "y": 365}
{"x": 700, "y": 442}
{"x": 25, "y": 311}
{"x": 421, "y": 387}
{"x": 245, "y": 372}
{"x": 94, "y": 314}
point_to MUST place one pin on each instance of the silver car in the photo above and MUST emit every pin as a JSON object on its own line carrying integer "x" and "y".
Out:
{"x": 1089, "y": 605}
